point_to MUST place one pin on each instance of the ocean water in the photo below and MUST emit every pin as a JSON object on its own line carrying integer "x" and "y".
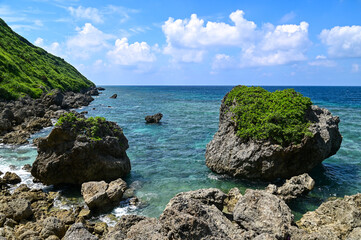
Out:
{"x": 168, "y": 158}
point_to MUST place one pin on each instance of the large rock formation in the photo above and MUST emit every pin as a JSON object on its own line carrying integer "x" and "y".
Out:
{"x": 262, "y": 159}
{"x": 79, "y": 150}
{"x": 337, "y": 219}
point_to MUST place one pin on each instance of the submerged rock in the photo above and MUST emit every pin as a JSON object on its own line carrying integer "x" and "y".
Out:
{"x": 293, "y": 188}
{"x": 80, "y": 150}
{"x": 262, "y": 159}
{"x": 154, "y": 118}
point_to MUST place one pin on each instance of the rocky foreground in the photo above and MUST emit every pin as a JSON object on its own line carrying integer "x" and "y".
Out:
{"x": 201, "y": 214}
{"x": 26, "y": 116}
{"x": 263, "y": 159}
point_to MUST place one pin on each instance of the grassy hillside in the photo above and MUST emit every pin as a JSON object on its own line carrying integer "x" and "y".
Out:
{"x": 29, "y": 70}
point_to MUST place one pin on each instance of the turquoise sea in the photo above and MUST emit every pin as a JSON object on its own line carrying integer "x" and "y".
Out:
{"x": 168, "y": 158}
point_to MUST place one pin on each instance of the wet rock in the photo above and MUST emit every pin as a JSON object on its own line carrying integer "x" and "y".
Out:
{"x": 154, "y": 118}
{"x": 263, "y": 213}
{"x": 27, "y": 167}
{"x": 79, "y": 232}
{"x": 262, "y": 159}
{"x": 11, "y": 178}
{"x": 66, "y": 156}
{"x": 292, "y": 188}
{"x": 36, "y": 124}
{"x": 93, "y": 92}
{"x": 18, "y": 137}
{"x": 100, "y": 88}
{"x": 339, "y": 217}
{"x": 114, "y": 96}
{"x": 101, "y": 195}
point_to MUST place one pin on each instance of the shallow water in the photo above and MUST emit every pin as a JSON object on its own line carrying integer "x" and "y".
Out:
{"x": 168, "y": 158}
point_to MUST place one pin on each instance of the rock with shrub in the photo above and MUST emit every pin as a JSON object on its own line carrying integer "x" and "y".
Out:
{"x": 269, "y": 135}
{"x": 81, "y": 149}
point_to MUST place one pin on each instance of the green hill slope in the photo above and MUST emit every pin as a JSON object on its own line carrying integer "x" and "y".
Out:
{"x": 29, "y": 70}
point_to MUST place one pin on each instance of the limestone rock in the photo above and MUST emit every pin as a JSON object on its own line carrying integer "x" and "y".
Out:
{"x": 154, "y": 118}
{"x": 79, "y": 232}
{"x": 292, "y": 188}
{"x": 261, "y": 159}
{"x": 186, "y": 217}
{"x": 101, "y": 195}
{"x": 232, "y": 198}
{"x": 65, "y": 157}
{"x": 11, "y": 178}
{"x": 53, "y": 226}
{"x": 339, "y": 217}
{"x": 263, "y": 213}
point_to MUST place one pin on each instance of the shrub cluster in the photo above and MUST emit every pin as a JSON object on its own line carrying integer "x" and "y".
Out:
{"x": 94, "y": 127}
{"x": 276, "y": 116}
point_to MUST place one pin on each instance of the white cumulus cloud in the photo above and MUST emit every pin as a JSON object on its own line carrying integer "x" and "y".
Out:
{"x": 127, "y": 54}
{"x": 342, "y": 42}
{"x": 89, "y": 39}
{"x": 189, "y": 40}
{"x": 89, "y": 13}
{"x": 53, "y": 48}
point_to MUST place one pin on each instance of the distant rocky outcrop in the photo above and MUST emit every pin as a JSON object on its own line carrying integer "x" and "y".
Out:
{"x": 26, "y": 116}
{"x": 114, "y": 96}
{"x": 154, "y": 118}
{"x": 263, "y": 159}
{"x": 80, "y": 150}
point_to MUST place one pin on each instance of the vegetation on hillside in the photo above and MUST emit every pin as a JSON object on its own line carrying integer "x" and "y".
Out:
{"x": 94, "y": 127}
{"x": 276, "y": 116}
{"x": 29, "y": 70}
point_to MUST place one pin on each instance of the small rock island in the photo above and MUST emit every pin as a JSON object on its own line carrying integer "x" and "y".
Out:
{"x": 79, "y": 150}
{"x": 264, "y": 135}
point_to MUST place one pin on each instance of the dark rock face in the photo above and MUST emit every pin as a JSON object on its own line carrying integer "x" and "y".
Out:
{"x": 293, "y": 188}
{"x": 11, "y": 178}
{"x": 154, "y": 118}
{"x": 252, "y": 159}
{"x": 65, "y": 157}
{"x": 114, "y": 96}
{"x": 26, "y": 116}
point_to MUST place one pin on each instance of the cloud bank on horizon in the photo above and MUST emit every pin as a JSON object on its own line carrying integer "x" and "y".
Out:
{"x": 105, "y": 43}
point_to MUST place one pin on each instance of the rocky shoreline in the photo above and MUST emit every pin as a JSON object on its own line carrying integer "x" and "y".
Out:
{"x": 21, "y": 118}
{"x": 201, "y": 214}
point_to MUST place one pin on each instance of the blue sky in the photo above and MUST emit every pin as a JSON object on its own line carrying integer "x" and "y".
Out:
{"x": 198, "y": 42}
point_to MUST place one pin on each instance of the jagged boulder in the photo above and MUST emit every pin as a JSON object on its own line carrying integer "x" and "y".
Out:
{"x": 292, "y": 188}
{"x": 263, "y": 213}
{"x": 101, "y": 195}
{"x": 267, "y": 159}
{"x": 154, "y": 118}
{"x": 80, "y": 150}
{"x": 340, "y": 218}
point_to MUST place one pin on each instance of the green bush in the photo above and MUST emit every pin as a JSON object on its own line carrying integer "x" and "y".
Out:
{"x": 276, "y": 116}
{"x": 94, "y": 127}
{"x": 25, "y": 67}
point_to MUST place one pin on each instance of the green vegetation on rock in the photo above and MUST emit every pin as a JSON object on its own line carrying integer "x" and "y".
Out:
{"x": 29, "y": 70}
{"x": 94, "y": 127}
{"x": 276, "y": 116}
